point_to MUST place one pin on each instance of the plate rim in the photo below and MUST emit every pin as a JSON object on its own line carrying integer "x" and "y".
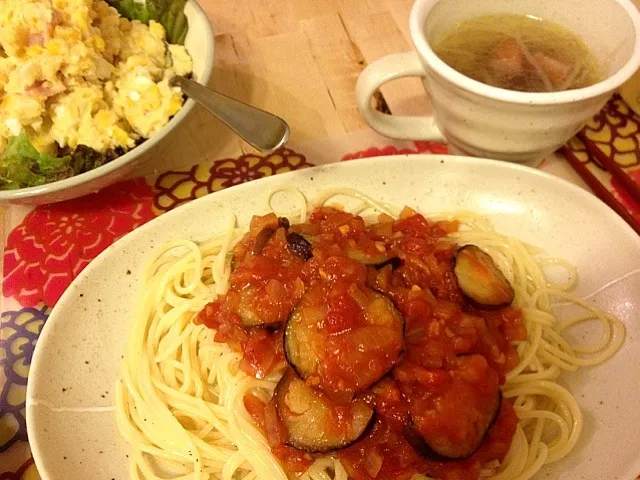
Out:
{"x": 37, "y": 447}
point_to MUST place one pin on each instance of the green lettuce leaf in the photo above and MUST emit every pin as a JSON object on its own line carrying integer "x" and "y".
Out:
{"x": 21, "y": 165}
{"x": 20, "y": 147}
{"x": 169, "y": 13}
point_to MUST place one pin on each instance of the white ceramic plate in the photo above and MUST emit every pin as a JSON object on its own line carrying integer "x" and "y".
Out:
{"x": 70, "y": 394}
{"x": 200, "y": 44}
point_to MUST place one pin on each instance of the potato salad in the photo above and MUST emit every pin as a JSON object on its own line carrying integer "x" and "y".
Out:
{"x": 76, "y": 74}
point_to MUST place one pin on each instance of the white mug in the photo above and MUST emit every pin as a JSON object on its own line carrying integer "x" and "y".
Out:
{"x": 485, "y": 121}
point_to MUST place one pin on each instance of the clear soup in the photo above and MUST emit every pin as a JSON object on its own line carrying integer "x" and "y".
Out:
{"x": 519, "y": 52}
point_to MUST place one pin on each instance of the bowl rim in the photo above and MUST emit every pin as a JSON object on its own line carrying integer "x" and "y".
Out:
{"x": 421, "y": 9}
{"x": 8, "y": 196}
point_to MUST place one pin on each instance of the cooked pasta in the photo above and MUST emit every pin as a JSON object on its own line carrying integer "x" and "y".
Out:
{"x": 180, "y": 399}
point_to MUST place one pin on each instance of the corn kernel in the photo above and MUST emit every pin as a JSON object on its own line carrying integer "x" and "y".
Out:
{"x": 34, "y": 51}
{"x": 175, "y": 105}
{"x": 99, "y": 43}
{"x": 53, "y": 47}
{"x": 121, "y": 137}
{"x": 102, "y": 119}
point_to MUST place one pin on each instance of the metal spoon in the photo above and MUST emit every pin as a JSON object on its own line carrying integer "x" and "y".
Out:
{"x": 262, "y": 130}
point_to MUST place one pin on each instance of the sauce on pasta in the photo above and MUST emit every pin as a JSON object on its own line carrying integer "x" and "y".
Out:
{"x": 370, "y": 313}
{"x": 187, "y": 408}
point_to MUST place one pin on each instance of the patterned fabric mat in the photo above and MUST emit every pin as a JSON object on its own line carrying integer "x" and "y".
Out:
{"x": 611, "y": 141}
{"x": 47, "y": 247}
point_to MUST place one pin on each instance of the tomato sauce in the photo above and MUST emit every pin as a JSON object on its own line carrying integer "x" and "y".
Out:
{"x": 455, "y": 356}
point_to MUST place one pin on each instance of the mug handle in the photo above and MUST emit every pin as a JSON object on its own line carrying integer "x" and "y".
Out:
{"x": 383, "y": 70}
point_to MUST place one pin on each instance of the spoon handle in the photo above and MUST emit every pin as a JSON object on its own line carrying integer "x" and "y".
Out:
{"x": 262, "y": 130}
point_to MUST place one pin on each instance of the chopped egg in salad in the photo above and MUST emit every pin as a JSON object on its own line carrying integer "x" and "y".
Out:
{"x": 74, "y": 73}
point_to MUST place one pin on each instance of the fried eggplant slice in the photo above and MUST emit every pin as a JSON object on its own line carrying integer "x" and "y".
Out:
{"x": 315, "y": 424}
{"x": 343, "y": 337}
{"x": 454, "y": 417}
{"x": 443, "y": 451}
{"x": 257, "y": 307}
{"x": 480, "y": 280}
{"x": 249, "y": 317}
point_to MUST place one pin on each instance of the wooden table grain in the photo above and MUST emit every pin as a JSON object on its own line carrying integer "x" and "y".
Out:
{"x": 299, "y": 59}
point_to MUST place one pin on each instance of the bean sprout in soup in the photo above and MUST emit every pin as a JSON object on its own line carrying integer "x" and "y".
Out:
{"x": 519, "y": 52}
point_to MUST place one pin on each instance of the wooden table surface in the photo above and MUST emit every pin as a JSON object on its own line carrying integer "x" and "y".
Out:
{"x": 299, "y": 59}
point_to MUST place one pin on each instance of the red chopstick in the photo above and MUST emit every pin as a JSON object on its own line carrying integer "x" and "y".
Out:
{"x": 612, "y": 167}
{"x": 600, "y": 190}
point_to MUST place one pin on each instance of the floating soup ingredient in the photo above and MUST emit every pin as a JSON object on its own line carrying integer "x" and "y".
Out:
{"x": 519, "y": 52}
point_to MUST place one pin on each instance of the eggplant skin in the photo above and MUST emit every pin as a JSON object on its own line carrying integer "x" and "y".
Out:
{"x": 395, "y": 262}
{"x": 310, "y": 428}
{"x": 283, "y": 222}
{"x": 266, "y": 233}
{"x": 300, "y": 246}
{"x": 289, "y": 351}
{"x": 261, "y": 239}
{"x": 480, "y": 280}
{"x": 249, "y": 318}
{"x": 422, "y": 447}
{"x": 377, "y": 260}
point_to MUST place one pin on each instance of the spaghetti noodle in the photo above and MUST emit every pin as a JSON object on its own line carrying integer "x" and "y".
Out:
{"x": 180, "y": 400}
